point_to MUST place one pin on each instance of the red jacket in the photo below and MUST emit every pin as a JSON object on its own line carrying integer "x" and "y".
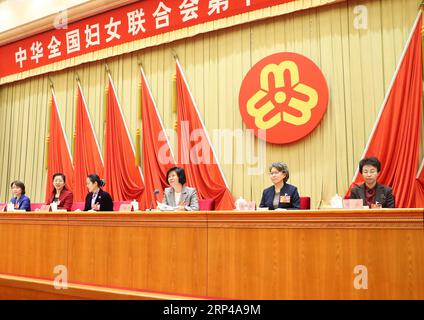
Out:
{"x": 66, "y": 199}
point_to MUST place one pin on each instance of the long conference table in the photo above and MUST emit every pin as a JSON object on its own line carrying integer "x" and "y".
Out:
{"x": 224, "y": 255}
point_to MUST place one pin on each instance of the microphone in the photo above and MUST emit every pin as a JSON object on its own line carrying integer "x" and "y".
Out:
{"x": 319, "y": 204}
{"x": 155, "y": 196}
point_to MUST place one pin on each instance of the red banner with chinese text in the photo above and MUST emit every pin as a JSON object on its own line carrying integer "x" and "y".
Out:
{"x": 132, "y": 22}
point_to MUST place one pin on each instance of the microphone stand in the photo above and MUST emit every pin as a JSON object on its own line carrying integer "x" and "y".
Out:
{"x": 155, "y": 194}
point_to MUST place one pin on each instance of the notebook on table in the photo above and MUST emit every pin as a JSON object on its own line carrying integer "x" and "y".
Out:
{"x": 45, "y": 208}
{"x": 125, "y": 207}
{"x": 353, "y": 204}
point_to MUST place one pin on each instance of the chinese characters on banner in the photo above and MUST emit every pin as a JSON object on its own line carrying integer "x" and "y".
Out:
{"x": 139, "y": 20}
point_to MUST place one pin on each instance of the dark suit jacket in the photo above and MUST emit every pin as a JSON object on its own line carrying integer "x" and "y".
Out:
{"x": 66, "y": 199}
{"x": 269, "y": 193}
{"x": 383, "y": 195}
{"x": 103, "y": 198}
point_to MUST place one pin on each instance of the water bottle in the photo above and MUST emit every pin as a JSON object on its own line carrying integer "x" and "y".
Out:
{"x": 241, "y": 204}
{"x": 10, "y": 207}
{"x": 135, "y": 206}
{"x": 336, "y": 202}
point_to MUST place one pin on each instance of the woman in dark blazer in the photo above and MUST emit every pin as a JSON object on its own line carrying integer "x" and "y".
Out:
{"x": 373, "y": 194}
{"x": 97, "y": 199}
{"x": 281, "y": 195}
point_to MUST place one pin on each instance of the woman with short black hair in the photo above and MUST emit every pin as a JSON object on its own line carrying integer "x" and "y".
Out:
{"x": 178, "y": 195}
{"x": 97, "y": 199}
{"x": 372, "y": 193}
{"x": 20, "y": 201}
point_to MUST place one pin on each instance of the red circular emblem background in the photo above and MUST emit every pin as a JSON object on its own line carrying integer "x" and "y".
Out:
{"x": 272, "y": 92}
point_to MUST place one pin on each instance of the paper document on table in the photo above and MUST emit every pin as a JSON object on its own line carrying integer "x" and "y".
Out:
{"x": 165, "y": 207}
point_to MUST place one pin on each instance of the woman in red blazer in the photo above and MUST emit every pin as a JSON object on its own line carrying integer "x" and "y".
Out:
{"x": 60, "y": 194}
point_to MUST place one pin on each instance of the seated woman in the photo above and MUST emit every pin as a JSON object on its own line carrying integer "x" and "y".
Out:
{"x": 60, "y": 195}
{"x": 372, "y": 193}
{"x": 280, "y": 195}
{"x": 178, "y": 195}
{"x": 97, "y": 199}
{"x": 20, "y": 200}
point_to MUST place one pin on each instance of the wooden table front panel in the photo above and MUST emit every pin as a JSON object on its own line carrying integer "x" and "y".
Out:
{"x": 302, "y": 257}
{"x": 150, "y": 253}
{"x": 33, "y": 244}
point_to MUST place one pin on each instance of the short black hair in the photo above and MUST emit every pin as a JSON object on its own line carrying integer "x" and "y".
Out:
{"x": 371, "y": 161}
{"x": 19, "y": 184}
{"x": 95, "y": 178}
{"x": 59, "y": 174}
{"x": 180, "y": 173}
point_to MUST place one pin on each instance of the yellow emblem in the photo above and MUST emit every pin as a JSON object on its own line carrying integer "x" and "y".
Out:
{"x": 259, "y": 112}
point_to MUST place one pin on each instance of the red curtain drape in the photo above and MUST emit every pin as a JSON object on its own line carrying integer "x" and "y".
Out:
{"x": 396, "y": 138}
{"x": 157, "y": 155}
{"x": 419, "y": 189}
{"x": 123, "y": 177}
{"x": 59, "y": 155}
{"x": 87, "y": 157}
{"x": 195, "y": 151}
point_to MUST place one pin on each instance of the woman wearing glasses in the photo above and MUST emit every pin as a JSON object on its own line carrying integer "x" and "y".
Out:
{"x": 280, "y": 195}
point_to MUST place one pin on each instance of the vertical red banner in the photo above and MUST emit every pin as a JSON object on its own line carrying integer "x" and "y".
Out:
{"x": 196, "y": 154}
{"x": 157, "y": 153}
{"x": 87, "y": 157}
{"x": 396, "y": 136}
{"x": 124, "y": 180}
{"x": 59, "y": 155}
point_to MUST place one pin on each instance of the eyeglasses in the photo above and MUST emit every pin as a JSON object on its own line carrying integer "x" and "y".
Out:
{"x": 274, "y": 173}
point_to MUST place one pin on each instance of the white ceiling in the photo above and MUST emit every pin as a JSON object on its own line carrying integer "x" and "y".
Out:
{"x": 14, "y": 13}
